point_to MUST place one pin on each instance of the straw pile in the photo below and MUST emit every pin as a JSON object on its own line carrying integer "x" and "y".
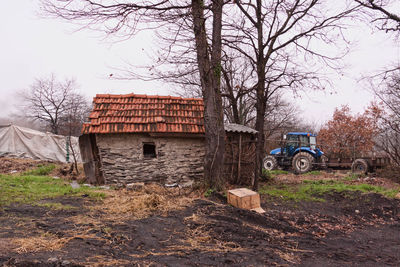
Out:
{"x": 151, "y": 199}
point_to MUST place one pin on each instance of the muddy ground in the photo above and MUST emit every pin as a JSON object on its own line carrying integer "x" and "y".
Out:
{"x": 350, "y": 228}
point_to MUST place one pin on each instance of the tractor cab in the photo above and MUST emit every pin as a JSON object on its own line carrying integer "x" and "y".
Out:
{"x": 295, "y": 141}
{"x": 299, "y": 150}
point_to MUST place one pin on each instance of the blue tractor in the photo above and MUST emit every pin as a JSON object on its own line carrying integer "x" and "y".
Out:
{"x": 299, "y": 150}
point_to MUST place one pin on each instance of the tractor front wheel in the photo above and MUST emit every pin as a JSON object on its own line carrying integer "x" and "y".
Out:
{"x": 270, "y": 163}
{"x": 302, "y": 162}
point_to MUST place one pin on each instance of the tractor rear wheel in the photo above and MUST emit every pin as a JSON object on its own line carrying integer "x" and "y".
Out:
{"x": 359, "y": 166}
{"x": 270, "y": 163}
{"x": 302, "y": 162}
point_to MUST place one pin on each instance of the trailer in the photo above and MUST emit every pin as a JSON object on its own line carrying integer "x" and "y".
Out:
{"x": 361, "y": 165}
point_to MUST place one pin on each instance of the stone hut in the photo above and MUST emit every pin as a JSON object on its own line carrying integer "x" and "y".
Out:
{"x": 140, "y": 138}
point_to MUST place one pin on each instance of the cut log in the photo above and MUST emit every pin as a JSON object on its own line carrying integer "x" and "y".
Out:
{"x": 245, "y": 199}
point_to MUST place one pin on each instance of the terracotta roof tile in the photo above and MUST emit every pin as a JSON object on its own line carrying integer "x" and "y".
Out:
{"x": 132, "y": 113}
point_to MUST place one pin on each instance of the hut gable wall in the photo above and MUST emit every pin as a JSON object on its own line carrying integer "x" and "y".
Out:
{"x": 177, "y": 159}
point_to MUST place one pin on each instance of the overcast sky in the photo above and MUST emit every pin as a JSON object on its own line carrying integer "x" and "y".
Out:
{"x": 32, "y": 47}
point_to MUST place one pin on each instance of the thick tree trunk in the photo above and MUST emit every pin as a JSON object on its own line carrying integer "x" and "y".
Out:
{"x": 260, "y": 135}
{"x": 261, "y": 103}
{"x": 210, "y": 75}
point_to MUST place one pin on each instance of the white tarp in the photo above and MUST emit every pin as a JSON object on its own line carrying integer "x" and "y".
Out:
{"x": 21, "y": 142}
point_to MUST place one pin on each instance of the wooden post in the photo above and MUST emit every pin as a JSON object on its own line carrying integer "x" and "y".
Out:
{"x": 232, "y": 162}
{"x": 239, "y": 158}
{"x": 91, "y": 159}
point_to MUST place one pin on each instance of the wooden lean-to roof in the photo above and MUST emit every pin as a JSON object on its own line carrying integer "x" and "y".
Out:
{"x": 145, "y": 114}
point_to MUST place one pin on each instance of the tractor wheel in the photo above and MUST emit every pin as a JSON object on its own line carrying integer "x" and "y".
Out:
{"x": 270, "y": 163}
{"x": 302, "y": 162}
{"x": 360, "y": 166}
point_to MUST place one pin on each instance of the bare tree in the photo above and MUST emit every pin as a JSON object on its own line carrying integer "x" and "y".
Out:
{"x": 240, "y": 99}
{"x": 281, "y": 116}
{"x": 384, "y": 13}
{"x": 55, "y": 104}
{"x": 204, "y": 18}
{"x": 76, "y": 113}
{"x": 237, "y": 82}
{"x": 271, "y": 34}
{"x": 389, "y": 95}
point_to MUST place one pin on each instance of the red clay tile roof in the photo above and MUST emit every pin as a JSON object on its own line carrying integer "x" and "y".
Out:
{"x": 145, "y": 114}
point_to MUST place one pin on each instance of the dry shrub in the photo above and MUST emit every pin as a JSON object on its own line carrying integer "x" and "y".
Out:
{"x": 139, "y": 204}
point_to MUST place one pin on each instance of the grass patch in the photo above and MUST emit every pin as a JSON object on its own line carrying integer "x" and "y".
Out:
{"x": 325, "y": 186}
{"x": 41, "y": 170}
{"x": 30, "y": 189}
{"x": 289, "y": 193}
{"x": 314, "y": 190}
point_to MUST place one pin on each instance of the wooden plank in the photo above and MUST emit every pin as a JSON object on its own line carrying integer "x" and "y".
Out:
{"x": 239, "y": 157}
{"x": 87, "y": 158}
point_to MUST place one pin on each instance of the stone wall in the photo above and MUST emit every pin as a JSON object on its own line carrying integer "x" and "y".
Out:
{"x": 178, "y": 159}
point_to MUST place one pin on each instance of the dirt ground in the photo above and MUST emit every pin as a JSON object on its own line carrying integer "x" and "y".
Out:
{"x": 177, "y": 228}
